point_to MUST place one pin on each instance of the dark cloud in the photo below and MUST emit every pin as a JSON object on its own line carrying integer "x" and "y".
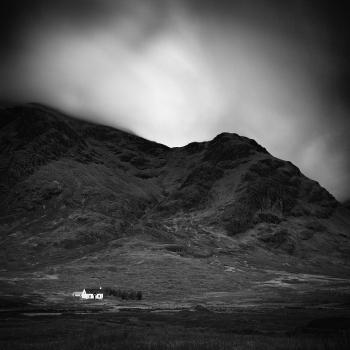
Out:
{"x": 322, "y": 25}
{"x": 178, "y": 71}
{"x": 17, "y": 15}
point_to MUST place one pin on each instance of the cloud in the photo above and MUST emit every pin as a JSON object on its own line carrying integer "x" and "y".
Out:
{"x": 121, "y": 72}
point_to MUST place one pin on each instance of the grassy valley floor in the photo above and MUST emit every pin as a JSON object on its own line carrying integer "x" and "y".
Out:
{"x": 242, "y": 300}
{"x": 197, "y": 328}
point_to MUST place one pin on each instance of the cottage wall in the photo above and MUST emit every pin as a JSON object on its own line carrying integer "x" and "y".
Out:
{"x": 96, "y": 295}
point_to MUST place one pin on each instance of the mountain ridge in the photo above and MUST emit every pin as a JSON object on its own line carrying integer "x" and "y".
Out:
{"x": 71, "y": 189}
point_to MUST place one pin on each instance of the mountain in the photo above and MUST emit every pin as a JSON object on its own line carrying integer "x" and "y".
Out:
{"x": 346, "y": 204}
{"x": 83, "y": 203}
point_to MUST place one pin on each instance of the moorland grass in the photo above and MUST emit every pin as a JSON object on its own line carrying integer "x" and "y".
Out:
{"x": 174, "y": 339}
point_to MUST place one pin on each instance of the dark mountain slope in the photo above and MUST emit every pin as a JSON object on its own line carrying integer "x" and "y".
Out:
{"x": 70, "y": 188}
{"x": 346, "y": 204}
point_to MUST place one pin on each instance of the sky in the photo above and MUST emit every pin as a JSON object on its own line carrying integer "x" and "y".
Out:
{"x": 178, "y": 71}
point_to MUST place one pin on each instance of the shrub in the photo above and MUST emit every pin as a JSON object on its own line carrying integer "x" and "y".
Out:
{"x": 123, "y": 294}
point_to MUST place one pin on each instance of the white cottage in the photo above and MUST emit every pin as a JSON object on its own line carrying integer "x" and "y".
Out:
{"x": 77, "y": 294}
{"x": 92, "y": 293}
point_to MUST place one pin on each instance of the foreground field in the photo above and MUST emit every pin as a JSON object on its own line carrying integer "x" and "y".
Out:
{"x": 184, "y": 341}
{"x": 192, "y": 328}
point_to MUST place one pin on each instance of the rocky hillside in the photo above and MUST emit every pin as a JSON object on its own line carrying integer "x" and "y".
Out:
{"x": 68, "y": 187}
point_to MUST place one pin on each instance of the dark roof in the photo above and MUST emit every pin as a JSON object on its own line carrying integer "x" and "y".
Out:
{"x": 93, "y": 291}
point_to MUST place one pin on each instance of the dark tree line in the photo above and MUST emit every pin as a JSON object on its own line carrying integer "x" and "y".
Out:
{"x": 123, "y": 294}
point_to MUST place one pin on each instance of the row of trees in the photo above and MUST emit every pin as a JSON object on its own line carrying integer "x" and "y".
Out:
{"x": 123, "y": 294}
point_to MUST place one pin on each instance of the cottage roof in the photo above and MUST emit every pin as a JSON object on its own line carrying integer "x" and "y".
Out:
{"x": 93, "y": 291}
